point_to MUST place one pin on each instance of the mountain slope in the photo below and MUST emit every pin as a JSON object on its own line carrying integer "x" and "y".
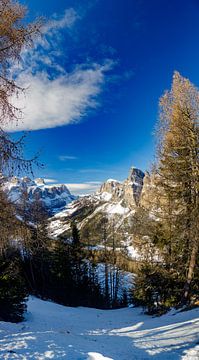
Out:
{"x": 114, "y": 200}
{"x": 115, "y": 203}
{"x": 53, "y": 331}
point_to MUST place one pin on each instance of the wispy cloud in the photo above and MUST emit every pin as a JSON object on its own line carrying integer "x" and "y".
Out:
{"x": 94, "y": 182}
{"x": 84, "y": 171}
{"x": 60, "y": 22}
{"x": 54, "y": 96}
{"x": 50, "y": 181}
{"x": 84, "y": 188}
{"x": 67, "y": 157}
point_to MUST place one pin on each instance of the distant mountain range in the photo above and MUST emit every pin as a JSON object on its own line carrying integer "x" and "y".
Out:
{"x": 53, "y": 197}
{"x": 116, "y": 202}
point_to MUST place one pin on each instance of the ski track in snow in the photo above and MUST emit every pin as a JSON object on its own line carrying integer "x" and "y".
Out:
{"x": 53, "y": 331}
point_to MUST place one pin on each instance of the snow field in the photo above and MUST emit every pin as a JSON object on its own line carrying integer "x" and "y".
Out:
{"x": 52, "y": 331}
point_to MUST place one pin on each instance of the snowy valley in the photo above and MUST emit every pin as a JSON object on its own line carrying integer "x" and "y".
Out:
{"x": 99, "y": 260}
{"x": 52, "y": 331}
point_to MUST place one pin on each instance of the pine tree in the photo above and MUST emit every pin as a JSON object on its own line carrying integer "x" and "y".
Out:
{"x": 12, "y": 286}
{"x": 75, "y": 234}
{"x": 13, "y": 291}
{"x": 8, "y": 223}
{"x": 35, "y": 242}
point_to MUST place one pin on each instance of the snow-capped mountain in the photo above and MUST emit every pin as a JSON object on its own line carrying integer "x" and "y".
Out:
{"x": 53, "y": 197}
{"x": 116, "y": 201}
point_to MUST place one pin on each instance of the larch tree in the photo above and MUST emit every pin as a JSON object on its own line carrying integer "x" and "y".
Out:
{"x": 15, "y": 35}
{"x": 167, "y": 221}
{"x": 178, "y": 173}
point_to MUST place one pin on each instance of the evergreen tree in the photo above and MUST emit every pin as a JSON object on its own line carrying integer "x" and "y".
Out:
{"x": 13, "y": 292}
{"x": 35, "y": 244}
{"x": 75, "y": 234}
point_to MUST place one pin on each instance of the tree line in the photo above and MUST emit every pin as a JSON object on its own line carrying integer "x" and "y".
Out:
{"x": 62, "y": 270}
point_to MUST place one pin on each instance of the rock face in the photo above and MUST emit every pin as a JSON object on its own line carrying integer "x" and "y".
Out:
{"x": 129, "y": 191}
{"x": 149, "y": 190}
{"x": 53, "y": 197}
{"x": 113, "y": 187}
{"x": 133, "y": 187}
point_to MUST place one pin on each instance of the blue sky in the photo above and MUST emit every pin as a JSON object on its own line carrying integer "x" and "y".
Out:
{"x": 94, "y": 81}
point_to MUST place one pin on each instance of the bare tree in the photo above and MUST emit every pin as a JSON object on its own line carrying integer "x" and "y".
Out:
{"x": 15, "y": 35}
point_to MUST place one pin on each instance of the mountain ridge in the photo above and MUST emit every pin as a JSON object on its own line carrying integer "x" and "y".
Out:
{"x": 53, "y": 197}
{"x": 115, "y": 202}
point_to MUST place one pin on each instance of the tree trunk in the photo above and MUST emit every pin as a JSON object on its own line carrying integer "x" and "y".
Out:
{"x": 192, "y": 264}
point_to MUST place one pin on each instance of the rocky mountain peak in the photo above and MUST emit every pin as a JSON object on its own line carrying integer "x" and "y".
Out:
{"x": 40, "y": 181}
{"x": 53, "y": 197}
{"x": 136, "y": 175}
{"x": 133, "y": 186}
{"x": 116, "y": 200}
{"x": 129, "y": 191}
{"x": 26, "y": 181}
{"x": 113, "y": 187}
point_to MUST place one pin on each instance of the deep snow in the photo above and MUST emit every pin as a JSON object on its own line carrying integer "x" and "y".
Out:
{"x": 53, "y": 331}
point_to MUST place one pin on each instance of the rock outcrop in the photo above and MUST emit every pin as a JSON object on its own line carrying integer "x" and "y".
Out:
{"x": 129, "y": 191}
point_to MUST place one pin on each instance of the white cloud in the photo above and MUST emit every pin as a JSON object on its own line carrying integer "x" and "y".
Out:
{"x": 94, "y": 182}
{"x": 83, "y": 188}
{"x": 78, "y": 186}
{"x": 53, "y": 96}
{"x": 67, "y": 157}
{"x": 50, "y": 181}
{"x": 64, "y": 100}
{"x": 60, "y": 22}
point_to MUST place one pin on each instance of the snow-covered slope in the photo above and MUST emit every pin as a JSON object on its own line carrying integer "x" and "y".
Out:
{"x": 116, "y": 201}
{"x": 53, "y": 331}
{"x": 53, "y": 197}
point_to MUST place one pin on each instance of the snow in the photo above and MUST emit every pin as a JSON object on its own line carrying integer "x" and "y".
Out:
{"x": 53, "y": 331}
{"x": 111, "y": 209}
{"x": 52, "y": 196}
{"x": 57, "y": 225}
{"x": 192, "y": 354}
{"x": 125, "y": 279}
{"x": 117, "y": 209}
{"x": 112, "y": 180}
{"x": 105, "y": 196}
{"x": 133, "y": 253}
{"x": 56, "y": 228}
{"x": 67, "y": 211}
{"x": 97, "y": 356}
